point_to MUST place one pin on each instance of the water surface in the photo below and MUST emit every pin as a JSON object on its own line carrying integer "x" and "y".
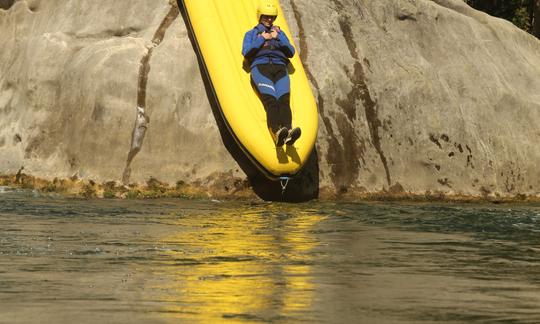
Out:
{"x": 203, "y": 261}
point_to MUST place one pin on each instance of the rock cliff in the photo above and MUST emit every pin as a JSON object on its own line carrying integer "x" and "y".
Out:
{"x": 415, "y": 97}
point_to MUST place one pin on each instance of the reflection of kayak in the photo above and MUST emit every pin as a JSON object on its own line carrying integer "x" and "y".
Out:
{"x": 218, "y": 27}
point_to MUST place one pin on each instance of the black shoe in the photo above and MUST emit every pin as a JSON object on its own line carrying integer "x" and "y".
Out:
{"x": 293, "y": 135}
{"x": 281, "y": 135}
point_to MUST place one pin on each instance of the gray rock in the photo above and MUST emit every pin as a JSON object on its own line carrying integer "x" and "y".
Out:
{"x": 415, "y": 96}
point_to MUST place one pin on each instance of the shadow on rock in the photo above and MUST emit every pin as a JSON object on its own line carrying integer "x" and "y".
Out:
{"x": 6, "y": 4}
{"x": 304, "y": 187}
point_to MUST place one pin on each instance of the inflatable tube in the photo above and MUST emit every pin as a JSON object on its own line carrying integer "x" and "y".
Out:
{"x": 219, "y": 27}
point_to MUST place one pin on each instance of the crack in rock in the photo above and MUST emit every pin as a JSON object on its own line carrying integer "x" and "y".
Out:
{"x": 337, "y": 154}
{"x": 342, "y": 157}
{"x": 142, "y": 120}
{"x": 361, "y": 91}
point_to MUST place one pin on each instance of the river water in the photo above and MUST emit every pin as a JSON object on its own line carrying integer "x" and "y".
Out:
{"x": 203, "y": 261}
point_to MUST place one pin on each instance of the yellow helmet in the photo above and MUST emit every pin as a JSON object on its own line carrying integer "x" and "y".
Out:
{"x": 267, "y": 8}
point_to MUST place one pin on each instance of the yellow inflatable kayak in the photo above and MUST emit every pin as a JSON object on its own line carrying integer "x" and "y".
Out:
{"x": 219, "y": 27}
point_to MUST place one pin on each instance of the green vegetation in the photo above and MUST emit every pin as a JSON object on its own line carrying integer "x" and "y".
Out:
{"x": 523, "y": 13}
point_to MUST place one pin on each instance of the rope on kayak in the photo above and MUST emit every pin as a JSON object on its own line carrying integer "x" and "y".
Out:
{"x": 284, "y": 181}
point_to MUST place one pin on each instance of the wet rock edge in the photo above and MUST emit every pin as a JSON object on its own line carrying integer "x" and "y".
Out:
{"x": 225, "y": 186}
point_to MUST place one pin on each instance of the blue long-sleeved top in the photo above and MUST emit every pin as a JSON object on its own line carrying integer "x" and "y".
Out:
{"x": 257, "y": 50}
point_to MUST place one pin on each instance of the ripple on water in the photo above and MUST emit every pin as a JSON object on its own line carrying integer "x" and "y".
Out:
{"x": 202, "y": 261}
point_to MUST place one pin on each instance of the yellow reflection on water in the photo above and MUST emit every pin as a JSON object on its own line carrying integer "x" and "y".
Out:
{"x": 239, "y": 265}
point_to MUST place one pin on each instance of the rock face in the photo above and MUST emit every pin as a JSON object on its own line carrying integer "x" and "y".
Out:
{"x": 414, "y": 96}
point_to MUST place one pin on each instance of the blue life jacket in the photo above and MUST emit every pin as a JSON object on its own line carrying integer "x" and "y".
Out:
{"x": 257, "y": 50}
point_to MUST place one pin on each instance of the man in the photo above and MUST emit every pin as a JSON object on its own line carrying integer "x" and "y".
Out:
{"x": 268, "y": 50}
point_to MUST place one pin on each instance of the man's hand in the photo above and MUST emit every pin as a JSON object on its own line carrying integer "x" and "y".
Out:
{"x": 275, "y": 31}
{"x": 267, "y": 36}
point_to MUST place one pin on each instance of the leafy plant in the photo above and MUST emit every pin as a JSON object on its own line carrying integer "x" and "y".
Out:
{"x": 520, "y": 12}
